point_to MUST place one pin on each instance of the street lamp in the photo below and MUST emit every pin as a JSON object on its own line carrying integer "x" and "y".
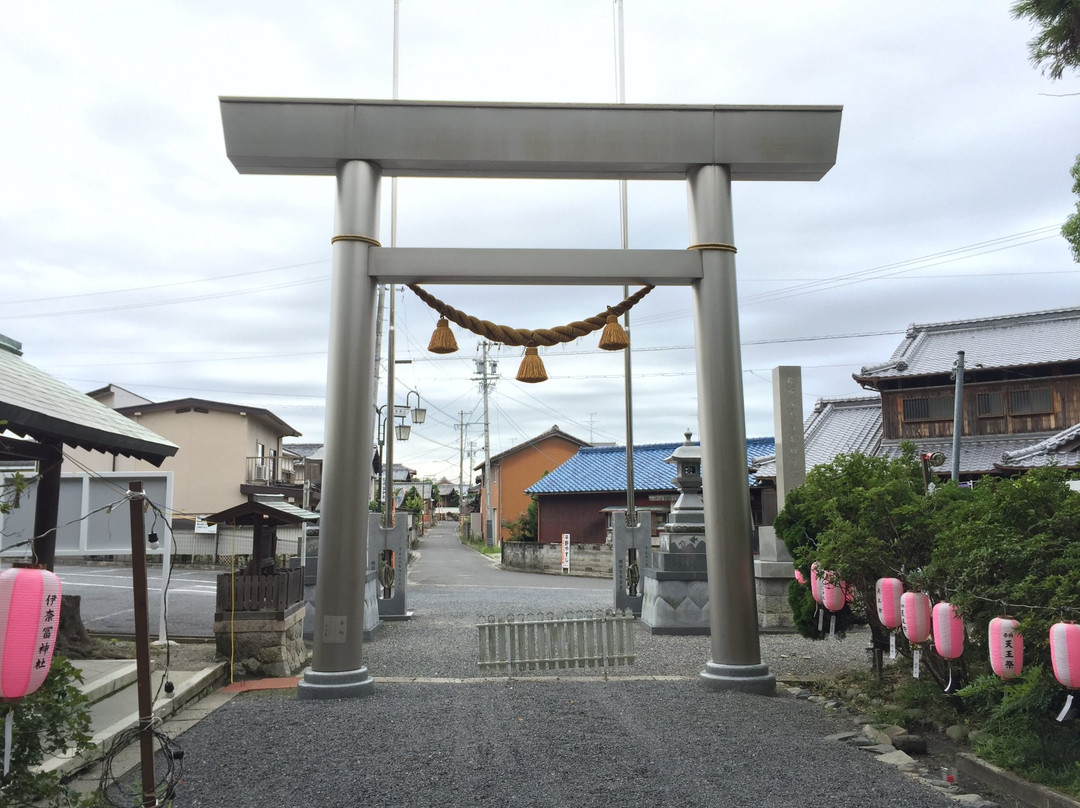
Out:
{"x": 384, "y": 415}
{"x": 418, "y": 412}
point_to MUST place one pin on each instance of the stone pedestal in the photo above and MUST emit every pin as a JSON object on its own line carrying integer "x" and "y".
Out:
{"x": 676, "y": 596}
{"x": 773, "y": 572}
{"x": 267, "y": 644}
{"x": 676, "y": 592}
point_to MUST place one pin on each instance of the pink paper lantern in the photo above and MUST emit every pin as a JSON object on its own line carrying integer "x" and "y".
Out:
{"x": 948, "y": 631}
{"x": 29, "y": 622}
{"x": 1065, "y": 653}
{"x": 915, "y": 616}
{"x": 833, "y": 595}
{"x": 816, "y": 582}
{"x": 888, "y": 591}
{"x": 1006, "y": 647}
{"x": 800, "y": 577}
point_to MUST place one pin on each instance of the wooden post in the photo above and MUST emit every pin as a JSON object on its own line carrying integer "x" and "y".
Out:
{"x": 142, "y": 643}
{"x": 47, "y": 504}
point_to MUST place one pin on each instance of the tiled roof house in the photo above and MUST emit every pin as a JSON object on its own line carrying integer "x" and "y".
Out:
{"x": 579, "y": 496}
{"x": 1021, "y": 393}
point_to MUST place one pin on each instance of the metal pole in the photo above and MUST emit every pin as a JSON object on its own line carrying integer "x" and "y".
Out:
{"x": 461, "y": 470}
{"x": 489, "y": 534}
{"x": 336, "y": 670}
{"x": 736, "y": 654}
{"x": 958, "y": 416}
{"x": 388, "y": 458}
{"x": 142, "y": 643}
{"x": 628, "y": 394}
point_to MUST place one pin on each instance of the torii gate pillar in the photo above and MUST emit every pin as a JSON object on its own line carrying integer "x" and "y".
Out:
{"x": 339, "y": 604}
{"x": 735, "y": 662}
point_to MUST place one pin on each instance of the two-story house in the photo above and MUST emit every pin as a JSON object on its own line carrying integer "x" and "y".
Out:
{"x": 515, "y": 469}
{"x": 228, "y": 452}
{"x": 1021, "y": 391}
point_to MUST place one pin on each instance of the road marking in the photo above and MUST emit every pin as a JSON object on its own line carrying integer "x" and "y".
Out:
{"x": 107, "y": 616}
{"x": 172, "y": 589}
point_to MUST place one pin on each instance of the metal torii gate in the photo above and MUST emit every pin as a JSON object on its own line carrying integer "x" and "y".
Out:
{"x": 361, "y": 141}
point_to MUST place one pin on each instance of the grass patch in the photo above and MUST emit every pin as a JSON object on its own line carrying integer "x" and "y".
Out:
{"x": 477, "y": 543}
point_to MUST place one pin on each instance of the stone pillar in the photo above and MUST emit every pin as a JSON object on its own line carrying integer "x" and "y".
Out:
{"x": 676, "y": 581}
{"x": 336, "y": 670}
{"x": 773, "y": 569}
{"x": 736, "y": 653}
{"x": 395, "y": 578}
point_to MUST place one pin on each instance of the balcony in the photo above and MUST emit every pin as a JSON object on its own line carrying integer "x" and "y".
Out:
{"x": 282, "y": 471}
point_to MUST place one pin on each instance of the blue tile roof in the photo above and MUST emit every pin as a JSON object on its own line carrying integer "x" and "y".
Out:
{"x": 603, "y": 468}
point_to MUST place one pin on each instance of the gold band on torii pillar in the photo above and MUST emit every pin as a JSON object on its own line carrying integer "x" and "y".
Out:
{"x": 366, "y": 239}
{"x": 713, "y": 245}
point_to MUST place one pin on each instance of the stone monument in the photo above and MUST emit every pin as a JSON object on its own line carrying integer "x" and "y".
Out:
{"x": 773, "y": 570}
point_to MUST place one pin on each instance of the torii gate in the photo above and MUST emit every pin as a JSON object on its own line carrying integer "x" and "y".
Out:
{"x": 361, "y": 141}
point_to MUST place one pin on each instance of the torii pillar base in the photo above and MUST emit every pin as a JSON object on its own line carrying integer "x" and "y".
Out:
{"x": 746, "y": 678}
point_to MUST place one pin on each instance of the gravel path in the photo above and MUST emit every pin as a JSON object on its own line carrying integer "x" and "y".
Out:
{"x": 568, "y": 738}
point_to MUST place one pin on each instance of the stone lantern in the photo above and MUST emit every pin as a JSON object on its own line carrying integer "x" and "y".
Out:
{"x": 676, "y": 593}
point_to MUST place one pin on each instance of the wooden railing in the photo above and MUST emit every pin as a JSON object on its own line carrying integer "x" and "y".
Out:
{"x": 274, "y": 592}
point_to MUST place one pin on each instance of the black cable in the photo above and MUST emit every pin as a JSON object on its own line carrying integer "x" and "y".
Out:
{"x": 168, "y": 771}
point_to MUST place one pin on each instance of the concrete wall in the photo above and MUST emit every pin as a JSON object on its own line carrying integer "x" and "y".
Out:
{"x": 588, "y": 560}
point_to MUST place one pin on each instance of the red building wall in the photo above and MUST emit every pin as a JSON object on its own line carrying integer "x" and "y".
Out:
{"x": 581, "y": 515}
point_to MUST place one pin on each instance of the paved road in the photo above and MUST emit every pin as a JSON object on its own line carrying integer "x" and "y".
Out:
{"x": 443, "y": 564}
{"x": 108, "y": 605}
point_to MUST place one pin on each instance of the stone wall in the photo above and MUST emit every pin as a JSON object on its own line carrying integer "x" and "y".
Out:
{"x": 262, "y": 645}
{"x": 586, "y": 560}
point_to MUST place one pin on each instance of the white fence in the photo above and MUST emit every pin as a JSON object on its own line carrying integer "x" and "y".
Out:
{"x": 527, "y": 642}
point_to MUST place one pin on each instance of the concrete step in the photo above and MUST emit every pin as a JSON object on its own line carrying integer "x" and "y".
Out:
{"x": 111, "y": 687}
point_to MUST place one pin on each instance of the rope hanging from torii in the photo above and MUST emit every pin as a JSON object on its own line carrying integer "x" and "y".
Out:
{"x": 532, "y": 368}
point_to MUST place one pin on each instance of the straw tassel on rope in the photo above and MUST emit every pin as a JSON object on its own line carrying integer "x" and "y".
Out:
{"x": 442, "y": 340}
{"x": 613, "y": 337}
{"x": 532, "y": 370}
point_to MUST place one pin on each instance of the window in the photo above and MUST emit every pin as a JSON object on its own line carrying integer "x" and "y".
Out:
{"x": 990, "y": 405}
{"x": 939, "y": 408}
{"x": 1031, "y": 402}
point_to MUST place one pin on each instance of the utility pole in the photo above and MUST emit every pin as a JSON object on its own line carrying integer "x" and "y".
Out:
{"x": 486, "y": 372}
{"x": 958, "y": 416}
{"x": 461, "y": 470}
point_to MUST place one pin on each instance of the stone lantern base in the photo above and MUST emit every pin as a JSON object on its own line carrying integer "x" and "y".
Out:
{"x": 676, "y": 593}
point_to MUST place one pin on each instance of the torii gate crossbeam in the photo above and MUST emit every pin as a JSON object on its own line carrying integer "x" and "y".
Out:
{"x": 360, "y": 141}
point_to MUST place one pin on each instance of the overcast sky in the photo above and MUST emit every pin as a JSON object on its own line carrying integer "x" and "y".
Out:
{"x": 133, "y": 252}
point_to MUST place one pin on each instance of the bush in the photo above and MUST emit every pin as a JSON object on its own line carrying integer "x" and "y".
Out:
{"x": 50, "y": 720}
{"x": 1004, "y": 546}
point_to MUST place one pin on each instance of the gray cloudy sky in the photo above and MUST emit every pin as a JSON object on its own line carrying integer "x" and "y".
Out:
{"x": 133, "y": 253}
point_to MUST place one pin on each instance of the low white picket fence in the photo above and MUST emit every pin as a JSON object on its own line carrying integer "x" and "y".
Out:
{"x": 527, "y": 642}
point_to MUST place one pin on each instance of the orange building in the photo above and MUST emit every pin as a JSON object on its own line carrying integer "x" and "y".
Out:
{"x": 517, "y": 468}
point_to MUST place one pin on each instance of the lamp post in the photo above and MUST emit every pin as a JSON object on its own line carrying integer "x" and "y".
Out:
{"x": 401, "y": 432}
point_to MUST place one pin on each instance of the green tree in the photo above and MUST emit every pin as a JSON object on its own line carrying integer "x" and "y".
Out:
{"x": 413, "y": 501}
{"x": 455, "y": 498}
{"x": 863, "y": 518}
{"x": 1071, "y": 228}
{"x": 1011, "y": 545}
{"x": 524, "y": 527}
{"x": 1057, "y": 45}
